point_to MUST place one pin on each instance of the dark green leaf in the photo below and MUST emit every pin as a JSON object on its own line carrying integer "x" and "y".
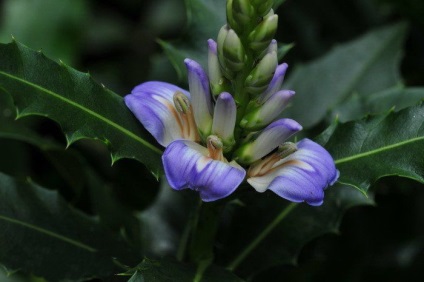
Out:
{"x": 378, "y": 146}
{"x": 79, "y": 175}
{"x": 366, "y": 65}
{"x": 398, "y": 98}
{"x": 172, "y": 271}
{"x": 83, "y": 108}
{"x": 41, "y": 234}
{"x": 284, "y": 243}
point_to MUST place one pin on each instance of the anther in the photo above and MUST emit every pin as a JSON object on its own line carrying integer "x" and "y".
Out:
{"x": 286, "y": 149}
{"x": 215, "y": 147}
{"x": 181, "y": 102}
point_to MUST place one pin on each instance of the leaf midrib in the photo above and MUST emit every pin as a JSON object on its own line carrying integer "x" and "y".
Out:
{"x": 88, "y": 111}
{"x": 378, "y": 150}
{"x": 49, "y": 233}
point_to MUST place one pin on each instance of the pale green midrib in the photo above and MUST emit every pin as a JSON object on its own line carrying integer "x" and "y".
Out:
{"x": 49, "y": 233}
{"x": 379, "y": 150}
{"x": 88, "y": 111}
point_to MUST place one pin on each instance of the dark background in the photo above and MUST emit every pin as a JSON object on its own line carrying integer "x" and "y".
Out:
{"x": 115, "y": 42}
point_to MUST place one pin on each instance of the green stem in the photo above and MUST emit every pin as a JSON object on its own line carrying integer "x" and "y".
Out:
{"x": 190, "y": 225}
{"x": 236, "y": 262}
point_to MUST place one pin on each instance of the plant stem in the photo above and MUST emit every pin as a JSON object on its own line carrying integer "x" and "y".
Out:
{"x": 190, "y": 225}
{"x": 236, "y": 262}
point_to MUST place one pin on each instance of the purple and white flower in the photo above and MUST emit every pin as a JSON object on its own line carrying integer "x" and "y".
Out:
{"x": 297, "y": 172}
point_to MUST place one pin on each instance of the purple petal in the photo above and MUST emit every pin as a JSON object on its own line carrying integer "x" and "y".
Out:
{"x": 152, "y": 104}
{"x": 187, "y": 166}
{"x": 276, "y": 82}
{"x": 274, "y": 135}
{"x": 302, "y": 176}
{"x": 200, "y": 95}
{"x": 224, "y": 118}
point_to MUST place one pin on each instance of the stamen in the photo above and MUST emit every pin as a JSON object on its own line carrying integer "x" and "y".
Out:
{"x": 185, "y": 111}
{"x": 267, "y": 165}
{"x": 286, "y": 149}
{"x": 181, "y": 102}
{"x": 215, "y": 148}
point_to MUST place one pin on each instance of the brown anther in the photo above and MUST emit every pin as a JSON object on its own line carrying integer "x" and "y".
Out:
{"x": 215, "y": 147}
{"x": 186, "y": 118}
{"x": 269, "y": 163}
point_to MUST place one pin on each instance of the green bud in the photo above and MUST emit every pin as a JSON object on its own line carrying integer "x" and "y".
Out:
{"x": 243, "y": 13}
{"x": 260, "y": 38}
{"x": 222, "y": 35}
{"x": 230, "y": 18}
{"x": 217, "y": 81}
{"x": 257, "y": 81}
{"x": 262, "y": 7}
{"x": 233, "y": 52}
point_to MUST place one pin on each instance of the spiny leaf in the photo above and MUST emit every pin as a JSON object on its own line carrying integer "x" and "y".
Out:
{"x": 82, "y": 107}
{"x": 378, "y": 146}
{"x": 34, "y": 238}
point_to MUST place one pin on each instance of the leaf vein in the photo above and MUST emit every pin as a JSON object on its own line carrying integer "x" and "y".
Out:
{"x": 88, "y": 111}
{"x": 378, "y": 150}
{"x": 49, "y": 233}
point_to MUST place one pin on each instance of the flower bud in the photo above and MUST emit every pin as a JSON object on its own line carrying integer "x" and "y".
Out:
{"x": 261, "y": 36}
{"x": 269, "y": 111}
{"x": 262, "y": 7}
{"x": 230, "y": 18}
{"x": 233, "y": 52}
{"x": 198, "y": 83}
{"x": 224, "y": 119}
{"x": 217, "y": 81}
{"x": 222, "y": 35}
{"x": 243, "y": 14}
{"x": 275, "y": 83}
{"x": 257, "y": 81}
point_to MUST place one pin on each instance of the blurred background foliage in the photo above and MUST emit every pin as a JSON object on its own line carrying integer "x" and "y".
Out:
{"x": 118, "y": 43}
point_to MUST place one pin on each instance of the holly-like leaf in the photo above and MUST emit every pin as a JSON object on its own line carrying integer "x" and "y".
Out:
{"x": 41, "y": 234}
{"x": 378, "y": 146}
{"x": 82, "y": 107}
{"x": 166, "y": 270}
{"x": 367, "y": 65}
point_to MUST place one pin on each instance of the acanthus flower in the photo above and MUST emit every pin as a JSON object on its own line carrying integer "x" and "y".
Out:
{"x": 173, "y": 115}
